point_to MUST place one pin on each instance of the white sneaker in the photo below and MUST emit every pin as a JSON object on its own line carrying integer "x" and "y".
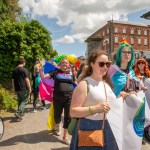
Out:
{"x": 35, "y": 110}
{"x": 66, "y": 141}
{"x": 44, "y": 107}
{"x": 58, "y": 130}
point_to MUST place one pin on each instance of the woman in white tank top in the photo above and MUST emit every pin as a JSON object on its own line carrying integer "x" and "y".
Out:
{"x": 89, "y": 102}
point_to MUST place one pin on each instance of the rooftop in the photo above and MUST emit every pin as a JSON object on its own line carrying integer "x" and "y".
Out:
{"x": 146, "y": 15}
{"x": 131, "y": 23}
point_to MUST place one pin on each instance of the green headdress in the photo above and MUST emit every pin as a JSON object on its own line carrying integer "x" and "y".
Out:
{"x": 123, "y": 44}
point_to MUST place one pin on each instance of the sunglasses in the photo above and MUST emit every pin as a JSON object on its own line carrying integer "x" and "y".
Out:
{"x": 102, "y": 64}
{"x": 126, "y": 52}
{"x": 140, "y": 63}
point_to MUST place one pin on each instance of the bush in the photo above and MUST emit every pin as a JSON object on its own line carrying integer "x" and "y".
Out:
{"x": 7, "y": 100}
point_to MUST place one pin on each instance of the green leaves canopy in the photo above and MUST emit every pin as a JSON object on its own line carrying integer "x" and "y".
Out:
{"x": 28, "y": 39}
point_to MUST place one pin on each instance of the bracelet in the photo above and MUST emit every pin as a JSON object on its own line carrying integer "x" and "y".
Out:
{"x": 90, "y": 110}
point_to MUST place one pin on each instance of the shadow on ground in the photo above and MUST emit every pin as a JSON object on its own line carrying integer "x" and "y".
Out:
{"x": 33, "y": 138}
{"x": 63, "y": 148}
{"x": 13, "y": 119}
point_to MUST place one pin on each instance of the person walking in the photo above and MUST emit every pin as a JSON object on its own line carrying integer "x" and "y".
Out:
{"x": 35, "y": 86}
{"x": 21, "y": 86}
{"x": 63, "y": 88}
{"x": 89, "y": 103}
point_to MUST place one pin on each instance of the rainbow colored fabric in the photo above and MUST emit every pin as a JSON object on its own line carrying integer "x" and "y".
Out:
{"x": 72, "y": 59}
{"x": 46, "y": 85}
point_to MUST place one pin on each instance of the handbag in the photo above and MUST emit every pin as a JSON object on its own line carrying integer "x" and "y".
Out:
{"x": 94, "y": 137}
{"x": 72, "y": 125}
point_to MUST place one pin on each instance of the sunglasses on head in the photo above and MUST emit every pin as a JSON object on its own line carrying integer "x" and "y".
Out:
{"x": 140, "y": 62}
{"x": 102, "y": 64}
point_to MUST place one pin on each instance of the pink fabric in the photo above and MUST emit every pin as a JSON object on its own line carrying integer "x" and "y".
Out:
{"x": 46, "y": 92}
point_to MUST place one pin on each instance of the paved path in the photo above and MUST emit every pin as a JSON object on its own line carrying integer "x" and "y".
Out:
{"x": 32, "y": 133}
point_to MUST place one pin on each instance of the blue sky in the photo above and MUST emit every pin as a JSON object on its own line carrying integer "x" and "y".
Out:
{"x": 71, "y": 21}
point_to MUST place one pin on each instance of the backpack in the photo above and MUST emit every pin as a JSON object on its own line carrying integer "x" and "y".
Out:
{"x": 37, "y": 81}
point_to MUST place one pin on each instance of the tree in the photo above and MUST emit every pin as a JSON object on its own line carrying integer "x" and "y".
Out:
{"x": 28, "y": 39}
{"x": 9, "y": 9}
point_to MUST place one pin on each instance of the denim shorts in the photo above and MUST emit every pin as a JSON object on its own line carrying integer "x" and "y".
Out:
{"x": 87, "y": 124}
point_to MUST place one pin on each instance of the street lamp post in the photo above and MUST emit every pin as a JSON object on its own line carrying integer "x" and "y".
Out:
{"x": 111, "y": 39}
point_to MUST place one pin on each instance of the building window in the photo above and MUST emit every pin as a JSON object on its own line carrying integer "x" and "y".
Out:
{"x": 145, "y": 32}
{"x": 103, "y": 33}
{"x": 107, "y": 31}
{"x": 139, "y": 41}
{"x": 145, "y": 41}
{"x": 124, "y": 30}
{"x": 132, "y": 40}
{"x": 139, "y": 32}
{"x": 132, "y": 31}
{"x": 107, "y": 41}
{"x": 116, "y": 30}
{"x": 116, "y": 39}
{"x": 104, "y": 43}
{"x": 95, "y": 45}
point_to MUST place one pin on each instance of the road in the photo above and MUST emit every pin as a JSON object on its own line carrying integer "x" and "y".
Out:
{"x": 32, "y": 132}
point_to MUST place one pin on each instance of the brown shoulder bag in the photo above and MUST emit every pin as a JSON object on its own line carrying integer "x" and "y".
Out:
{"x": 94, "y": 137}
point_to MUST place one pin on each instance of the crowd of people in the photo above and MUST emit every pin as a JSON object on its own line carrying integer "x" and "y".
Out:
{"x": 89, "y": 101}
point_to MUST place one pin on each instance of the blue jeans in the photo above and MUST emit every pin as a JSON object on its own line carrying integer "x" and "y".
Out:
{"x": 86, "y": 124}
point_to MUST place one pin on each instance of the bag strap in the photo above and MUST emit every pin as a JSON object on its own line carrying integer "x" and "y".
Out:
{"x": 88, "y": 87}
{"x": 104, "y": 116}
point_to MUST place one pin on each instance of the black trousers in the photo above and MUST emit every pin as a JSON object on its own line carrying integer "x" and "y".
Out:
{"x": 35, "y": 99}
{"x": 35, "y": 95}
{"x": 62, "y": 102}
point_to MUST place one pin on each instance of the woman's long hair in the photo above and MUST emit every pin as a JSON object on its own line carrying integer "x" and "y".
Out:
{"x": 119, "y": 53}
{"x": 146, "y": 69}
{"x": 91, "y": 59}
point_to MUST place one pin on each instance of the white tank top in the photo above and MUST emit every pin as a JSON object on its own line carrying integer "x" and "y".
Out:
{"x": 96, "y": 95}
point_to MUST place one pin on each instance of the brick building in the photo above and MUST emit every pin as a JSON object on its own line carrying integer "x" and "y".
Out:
{"x": 107, "y": 38}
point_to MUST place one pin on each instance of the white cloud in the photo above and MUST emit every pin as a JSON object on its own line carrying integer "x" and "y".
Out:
{"x": 65, "y": 39}
{"x": 85, "y": 16}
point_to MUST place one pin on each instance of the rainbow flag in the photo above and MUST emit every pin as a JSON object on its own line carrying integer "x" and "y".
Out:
{"x": 46, "y": 89}
{"x": 46, "y": 85}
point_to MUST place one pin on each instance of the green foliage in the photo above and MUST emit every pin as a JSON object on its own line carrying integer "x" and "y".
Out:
{"x": 9, "y": 9}
{"x": 7, "y": 100}
{"x": 28, "y": 39}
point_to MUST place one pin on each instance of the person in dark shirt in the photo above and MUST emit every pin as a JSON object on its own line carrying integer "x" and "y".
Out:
{"x": 62, "y": 94}
{"x": 35, "y": 86}
{"x": 21, "y": 86}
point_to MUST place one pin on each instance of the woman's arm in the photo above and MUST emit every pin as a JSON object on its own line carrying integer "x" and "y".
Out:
{"x": 44, "y": 75}
{"x": 78, "y": 99}
{"x": 42, "y": 63}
